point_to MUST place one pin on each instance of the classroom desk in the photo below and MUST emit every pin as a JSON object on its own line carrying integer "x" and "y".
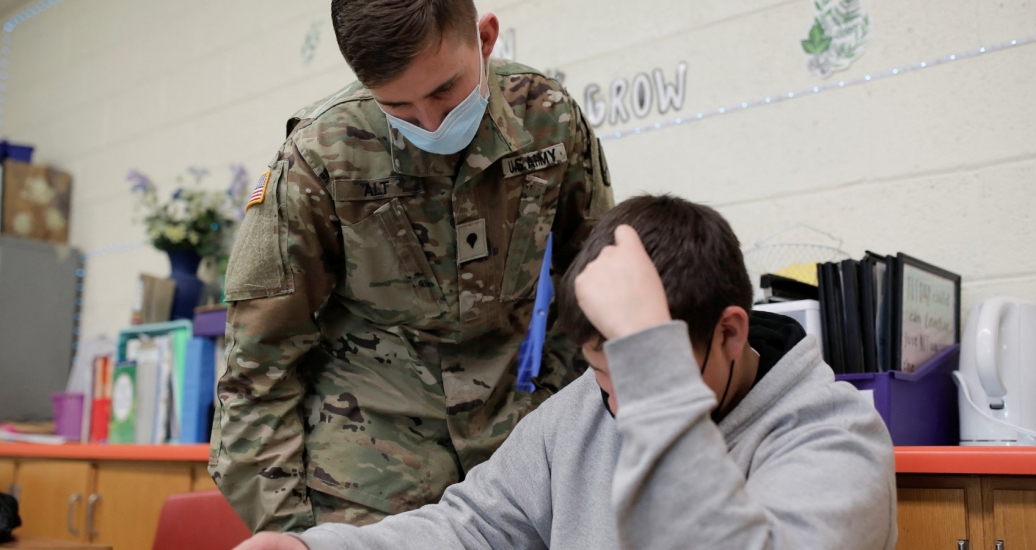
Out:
{"x": 909, "y": 460}
{"x": 945, "y": 494}
{"x": 78, "y": 451}
{"x": 1018, "y": 461}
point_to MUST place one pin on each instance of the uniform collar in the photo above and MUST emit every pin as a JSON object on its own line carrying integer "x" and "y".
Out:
{"x": 500, "y": 134}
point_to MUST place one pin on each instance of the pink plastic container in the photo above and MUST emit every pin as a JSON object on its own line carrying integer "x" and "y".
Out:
{"x": 68, "y": 415}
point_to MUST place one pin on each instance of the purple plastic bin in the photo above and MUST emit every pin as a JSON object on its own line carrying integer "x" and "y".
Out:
{"x": 22, "y": 153}
{"x": 920, "y": 407}
{"x": 68, "y": 415}
{"x": 210, "y": 324}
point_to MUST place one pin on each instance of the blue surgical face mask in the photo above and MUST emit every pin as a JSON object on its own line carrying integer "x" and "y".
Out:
{"x": 457, "y": 129}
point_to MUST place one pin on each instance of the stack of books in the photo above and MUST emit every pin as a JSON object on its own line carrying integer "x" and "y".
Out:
{"x": 162, "y": 389}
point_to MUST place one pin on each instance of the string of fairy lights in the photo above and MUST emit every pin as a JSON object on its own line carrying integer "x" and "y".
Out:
{"x": 735, "y": 107}
{"x": 36, "y": 9}
{"x": 5, "y": 47}
{"x": 12, "y": 23}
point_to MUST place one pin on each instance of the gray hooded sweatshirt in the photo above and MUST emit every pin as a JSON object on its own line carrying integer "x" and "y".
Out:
{"x": 802, "y": 462}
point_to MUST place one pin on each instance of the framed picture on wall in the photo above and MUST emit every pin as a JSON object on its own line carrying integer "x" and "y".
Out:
{"x": 925, "y": 310}
{"x": 36, "y": 202}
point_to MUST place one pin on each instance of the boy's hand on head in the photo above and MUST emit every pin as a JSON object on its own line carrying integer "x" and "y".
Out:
{"x": 272, "y": 541}
{"x": 620, "y": 291}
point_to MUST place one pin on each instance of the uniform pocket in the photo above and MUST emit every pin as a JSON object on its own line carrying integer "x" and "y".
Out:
{"x": 529, "y": 238}
{"x": 216, "y": 447}
{"x": 388, "y": 278}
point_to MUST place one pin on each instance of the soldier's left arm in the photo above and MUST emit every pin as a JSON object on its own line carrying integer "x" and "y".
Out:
{"x": 586, "y": 194}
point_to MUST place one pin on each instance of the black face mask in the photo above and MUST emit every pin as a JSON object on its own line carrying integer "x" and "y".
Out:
{"x": 730, "y": 377}
{"x": 607, "y": 407}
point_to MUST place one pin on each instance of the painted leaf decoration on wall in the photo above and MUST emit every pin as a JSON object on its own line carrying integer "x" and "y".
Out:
{"x": 840, "y": 30}
{"x": 818, "y": 42}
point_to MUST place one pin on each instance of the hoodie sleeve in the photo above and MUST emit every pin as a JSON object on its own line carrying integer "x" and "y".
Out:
{"x": 504, "y": 502}
{"x": 820, "y": 485}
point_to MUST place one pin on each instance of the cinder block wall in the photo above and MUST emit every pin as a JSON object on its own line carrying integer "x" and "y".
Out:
{"x": 939, "y": 163}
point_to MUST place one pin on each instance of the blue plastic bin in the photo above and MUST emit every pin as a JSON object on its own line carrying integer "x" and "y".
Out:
{"x": 21, "y": 153}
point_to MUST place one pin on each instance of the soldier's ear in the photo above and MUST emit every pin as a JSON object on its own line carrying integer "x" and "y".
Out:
{"x": 488, "y": 31}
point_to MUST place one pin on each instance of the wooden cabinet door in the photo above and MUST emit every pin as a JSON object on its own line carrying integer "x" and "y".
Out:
{"x": 1009, "y": 505}
{"x": 129, "y": 500}
{"x": 7, "y": 468}
{"x": 202, "y": 480}
{"x": 937, "y": 511}
{"x": 52, "y": 498}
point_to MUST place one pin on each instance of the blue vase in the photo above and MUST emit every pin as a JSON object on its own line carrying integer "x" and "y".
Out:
{"x": 184, "y": 268}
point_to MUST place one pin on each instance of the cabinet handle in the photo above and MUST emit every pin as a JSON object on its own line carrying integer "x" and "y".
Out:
{"x": 70, "y": 519}
{"x": 999, "y": 545}
{"x": 15, "y": 490}
{"x": 963, "y": 544}
{"x": 90, "y": 504}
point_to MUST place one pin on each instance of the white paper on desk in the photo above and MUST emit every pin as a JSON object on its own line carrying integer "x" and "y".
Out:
{"x": 81, "y": 379}
{"x": 44, "y": 439}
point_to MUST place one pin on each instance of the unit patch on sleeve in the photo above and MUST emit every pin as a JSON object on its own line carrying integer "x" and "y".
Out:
{"x": 537, "y": 160}
{"x": 259, "y": 193}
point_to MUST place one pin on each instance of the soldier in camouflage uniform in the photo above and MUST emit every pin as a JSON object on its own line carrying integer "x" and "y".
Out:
{"x": 379, "y": 293}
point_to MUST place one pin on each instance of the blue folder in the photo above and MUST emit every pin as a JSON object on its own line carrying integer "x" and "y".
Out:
{"x": 199, "y": 383}
{"x": 530, "y": 353}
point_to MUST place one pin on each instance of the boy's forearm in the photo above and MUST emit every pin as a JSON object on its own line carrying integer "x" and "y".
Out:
{"x": 673, "y": 479}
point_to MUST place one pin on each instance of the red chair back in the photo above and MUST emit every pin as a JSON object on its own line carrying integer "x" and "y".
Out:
{"x": 199, "y": 521}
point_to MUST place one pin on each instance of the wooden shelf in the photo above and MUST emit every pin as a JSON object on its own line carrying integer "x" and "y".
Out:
{"x": 76, "y": 451}
{"x": 909, "y": 460}
{"x": 966, "y": 460}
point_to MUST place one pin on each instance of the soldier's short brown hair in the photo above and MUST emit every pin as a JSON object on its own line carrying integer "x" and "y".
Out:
{"x": 695, "y": 251}
{"x": 380, "y": 38}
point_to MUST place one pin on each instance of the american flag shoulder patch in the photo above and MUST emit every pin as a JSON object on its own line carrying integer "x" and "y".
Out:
{"x": 259, "y": 193}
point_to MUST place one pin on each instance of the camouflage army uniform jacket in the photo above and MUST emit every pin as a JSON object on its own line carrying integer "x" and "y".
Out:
{"x": 380, "y": 294}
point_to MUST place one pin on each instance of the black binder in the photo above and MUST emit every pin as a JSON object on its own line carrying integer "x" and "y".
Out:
{"x": 852, "y": 331}
{"x": 882, "y": 307}
{"x": 834, "y": 300}
{"x": 868, "y": 314}
{"x": 893, "y": 301}
{"x": 825, "y": 316}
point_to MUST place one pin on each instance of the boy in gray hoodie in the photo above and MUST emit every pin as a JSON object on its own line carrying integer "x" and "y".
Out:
{"x": 701, "y": 424}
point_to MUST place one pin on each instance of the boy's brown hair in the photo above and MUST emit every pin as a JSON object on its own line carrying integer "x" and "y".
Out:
{"x": 380, "y": 38}
{"x": 695, "y": 251}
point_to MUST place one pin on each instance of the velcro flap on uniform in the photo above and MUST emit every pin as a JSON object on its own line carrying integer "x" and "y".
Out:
{"x": 536, "y": 160}
{"x": 258, "y": 265}
{"x": 369, "y": 190}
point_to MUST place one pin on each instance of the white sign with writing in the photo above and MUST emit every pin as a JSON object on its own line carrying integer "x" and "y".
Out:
{"x": 929, "y": 316}
{"x": 639, "y": 97}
